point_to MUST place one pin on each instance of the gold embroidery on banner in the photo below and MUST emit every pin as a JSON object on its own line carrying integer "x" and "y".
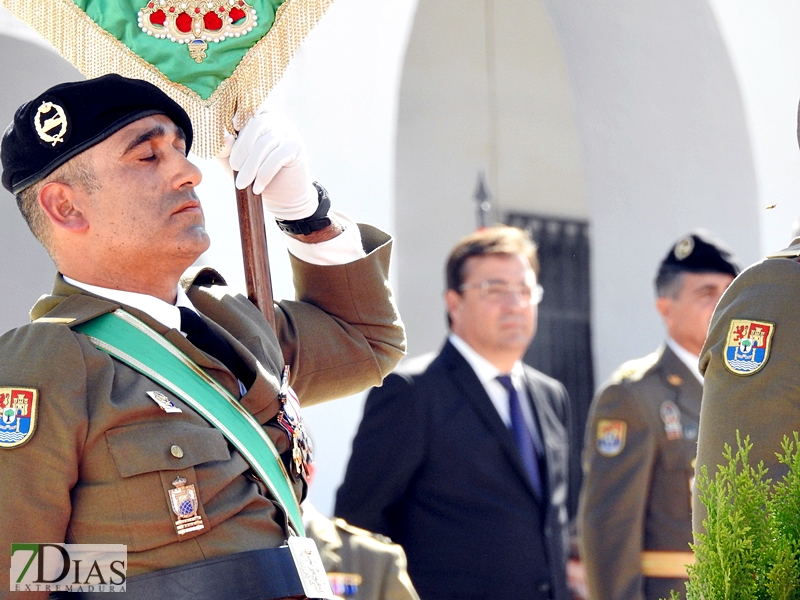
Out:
{"x": 197, "y": 22}
{"x": 95, "y": 52}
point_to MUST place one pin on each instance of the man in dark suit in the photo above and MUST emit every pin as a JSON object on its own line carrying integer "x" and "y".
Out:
{"x": 641, "y": 439}
{"x": 462, "y": 459}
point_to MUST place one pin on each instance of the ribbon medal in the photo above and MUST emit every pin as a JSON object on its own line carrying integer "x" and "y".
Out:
{"x": 290, "y": 420}
{"x": 671, "y": 415}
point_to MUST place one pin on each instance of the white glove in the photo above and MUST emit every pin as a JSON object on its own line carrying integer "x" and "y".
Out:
{"x": 270, "y": 154}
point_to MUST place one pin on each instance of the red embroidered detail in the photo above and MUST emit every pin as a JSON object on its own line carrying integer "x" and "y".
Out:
{"x": 196, "y": 23}
{"x": 212, "y": 21}
{"x": 183, "y": 22}
{"x": 158, "y": 17}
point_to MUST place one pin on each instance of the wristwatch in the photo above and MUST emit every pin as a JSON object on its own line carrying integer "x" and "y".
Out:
{"x": 319, "y": 220}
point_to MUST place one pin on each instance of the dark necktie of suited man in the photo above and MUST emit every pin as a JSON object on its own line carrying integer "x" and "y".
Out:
{"x": 206, "y": 339}
{"x": 522, "y": 435}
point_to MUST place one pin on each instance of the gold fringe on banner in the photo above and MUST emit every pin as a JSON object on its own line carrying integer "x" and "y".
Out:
{"x": 95, "y": 52}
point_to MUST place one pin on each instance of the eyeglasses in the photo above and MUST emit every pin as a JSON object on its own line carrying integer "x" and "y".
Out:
{"x": 495, "y": 291}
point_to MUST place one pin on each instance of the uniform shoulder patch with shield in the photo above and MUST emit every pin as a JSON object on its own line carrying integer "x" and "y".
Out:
{"x": 611, "y": 436}
{"x": 747, "y": 347}
{"x": 18, "y": 407}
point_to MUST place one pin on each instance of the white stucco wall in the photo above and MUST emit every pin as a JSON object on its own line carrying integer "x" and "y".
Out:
{"x": 666, "y": 149}
{"x": 765, "y": 50}
{"x": 487, "y": 92}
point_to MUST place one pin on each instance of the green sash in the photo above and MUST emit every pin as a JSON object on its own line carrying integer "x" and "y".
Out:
{"x": 133, "y": 342}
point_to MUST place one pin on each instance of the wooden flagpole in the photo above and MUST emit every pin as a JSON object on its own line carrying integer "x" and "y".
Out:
{"x": 252, "y": 229}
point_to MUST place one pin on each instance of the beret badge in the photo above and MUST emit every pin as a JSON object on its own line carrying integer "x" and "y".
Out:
{"x": 684, "y": 248}
{"x": 50, "y": 122}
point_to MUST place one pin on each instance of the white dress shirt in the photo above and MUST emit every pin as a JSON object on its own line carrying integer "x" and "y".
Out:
{"x": 691, "y": 361}
{"x": 487, "y": 374}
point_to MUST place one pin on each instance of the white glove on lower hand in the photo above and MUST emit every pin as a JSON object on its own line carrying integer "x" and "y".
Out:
{"x": 270, "y": 154}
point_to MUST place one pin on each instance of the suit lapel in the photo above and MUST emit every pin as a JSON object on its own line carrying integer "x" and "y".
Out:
{"x": 474, "y": 393}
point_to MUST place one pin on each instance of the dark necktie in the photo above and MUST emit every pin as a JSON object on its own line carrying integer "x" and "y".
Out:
{"x": 206, "y": 339}
{"x": 522, "y": 434}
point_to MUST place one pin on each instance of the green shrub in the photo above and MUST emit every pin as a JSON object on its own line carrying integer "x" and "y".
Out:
{"x": 751, "y": 545}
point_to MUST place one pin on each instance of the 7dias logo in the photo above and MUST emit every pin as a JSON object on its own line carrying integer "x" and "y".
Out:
{"x": 68, "y": 567}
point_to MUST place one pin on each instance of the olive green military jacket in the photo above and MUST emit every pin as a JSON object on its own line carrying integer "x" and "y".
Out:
{"x": 101, "y": 461}
{"x": 756, "y": 321}
{"x": 636, "y": 495}
{"x": 349, "y": 550}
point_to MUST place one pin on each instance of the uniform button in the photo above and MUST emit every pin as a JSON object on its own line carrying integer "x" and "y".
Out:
{"x": 544, "y": 587}
{"x": 176, "y": 451}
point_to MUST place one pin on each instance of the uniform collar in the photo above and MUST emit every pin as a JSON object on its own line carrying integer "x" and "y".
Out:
{"x": 687, "y": 358}
{"x": 166, "y": 314}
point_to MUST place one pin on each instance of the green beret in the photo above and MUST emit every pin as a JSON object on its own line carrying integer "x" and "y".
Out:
{"x": 72, "y": 117}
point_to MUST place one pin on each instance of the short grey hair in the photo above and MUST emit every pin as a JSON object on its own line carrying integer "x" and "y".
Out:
{"x": 78, "y": 171}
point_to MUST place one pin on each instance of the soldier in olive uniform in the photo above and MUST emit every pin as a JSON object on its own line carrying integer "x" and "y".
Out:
{"x": 361, "y": 565}
{"x": 95, "y": 450}
{"x": 750, "y": 363}
{"x": 634, "y": 516}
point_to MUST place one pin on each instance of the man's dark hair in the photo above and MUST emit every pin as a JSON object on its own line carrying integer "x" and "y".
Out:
{"x": 669, "y": 282}
{"x": 499, "y": 239}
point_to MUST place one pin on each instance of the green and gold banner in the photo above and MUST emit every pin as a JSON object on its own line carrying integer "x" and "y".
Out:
{"x": 214, "y": 57}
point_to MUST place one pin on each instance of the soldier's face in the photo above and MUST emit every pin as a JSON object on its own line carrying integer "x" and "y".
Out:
{"x": 499, "y": 326}
{"x": 146, "y": 210}
{"x": 688, "y": 314}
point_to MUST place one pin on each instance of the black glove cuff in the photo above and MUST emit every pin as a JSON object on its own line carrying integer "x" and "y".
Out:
{"x": 319, "y": 220}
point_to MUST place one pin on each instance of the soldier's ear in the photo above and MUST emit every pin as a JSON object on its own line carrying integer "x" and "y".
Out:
{"x": 57, "y": 201}
{"x": 664, "y": 307}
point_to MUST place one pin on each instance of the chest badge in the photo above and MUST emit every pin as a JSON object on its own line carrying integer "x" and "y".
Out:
{"x": 611, "y": 436}
{"x": 671, "y": 415}
{"x": 747, "y": 348}
{"x": 17, "y": 415}
{"x": 164, "y": 403}
{"x": 185, "y": 504}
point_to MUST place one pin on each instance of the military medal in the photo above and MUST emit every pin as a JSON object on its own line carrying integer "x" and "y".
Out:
{"x": 163, "y": 402}
{"x": 291, "y": 422}
{"x": 185, "y": 504}
{"x": 344, "y": 584}
{"x": 17, "y": 415}
{"x": 309, "y": 568}
{"x": 671, "y": 415}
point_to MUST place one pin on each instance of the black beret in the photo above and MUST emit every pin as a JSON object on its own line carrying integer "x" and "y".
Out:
{"x": 700, "y": 252}
{"x": 72, "y": 117}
